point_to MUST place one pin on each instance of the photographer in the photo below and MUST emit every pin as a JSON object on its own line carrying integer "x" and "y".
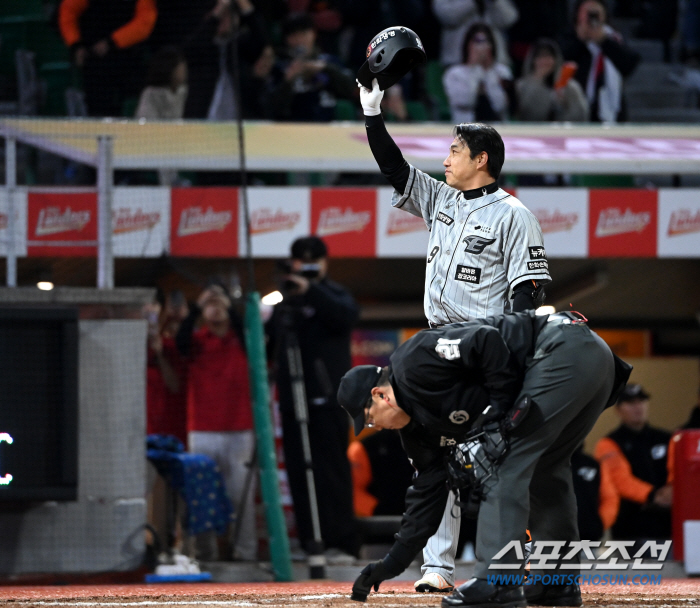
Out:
{"x": 320, "y": 314}
{"x": 603, "y": 61}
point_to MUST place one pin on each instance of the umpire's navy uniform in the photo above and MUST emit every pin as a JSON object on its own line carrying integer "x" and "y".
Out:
{"x": 444, "y": 378}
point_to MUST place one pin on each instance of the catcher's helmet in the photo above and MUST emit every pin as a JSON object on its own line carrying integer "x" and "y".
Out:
{"x": 390, "y": 56}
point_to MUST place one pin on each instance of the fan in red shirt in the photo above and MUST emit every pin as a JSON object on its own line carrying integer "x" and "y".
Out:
{"x": 219, "y": 413}
{"x": 166, "y": 379}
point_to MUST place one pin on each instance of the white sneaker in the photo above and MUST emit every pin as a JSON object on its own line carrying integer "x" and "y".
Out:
{"x": 432, "y": 582}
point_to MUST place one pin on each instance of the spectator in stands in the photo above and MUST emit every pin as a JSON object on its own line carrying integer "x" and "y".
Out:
{"x": 166, "y": 86}
{"x": 364, "y": 19}
{"x": 381, "y": 474}
{"x": 103, "y": 37}
{"x": 166, "y": 375}
{"x": 306, "y": 81}
{"x": 596, "y": 498}
{"x": 327, "y": 19}
{"x": 209, "y": 48}
{"x": 457, "y": 16}
{"x": 547, "y": 91}
{"x": 634, "y": 456}
{"x": 478, "y": 88}
{"x": 164, "y": 96}
{"x": 604, "y": 61}
{"x": 537, "y": 19}
{"x": 220, "y": 418}
{"x": 320, "y": 315}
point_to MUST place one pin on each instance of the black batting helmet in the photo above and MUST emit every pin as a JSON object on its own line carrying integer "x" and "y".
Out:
{"x": 390, "y": 56}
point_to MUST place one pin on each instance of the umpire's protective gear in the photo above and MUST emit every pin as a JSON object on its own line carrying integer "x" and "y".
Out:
{"x": 390, "y": 56}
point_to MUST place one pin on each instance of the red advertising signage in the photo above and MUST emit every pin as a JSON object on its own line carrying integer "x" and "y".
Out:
{"x": 63, "y": 218}
{"x": 346, "y": 220}
{"x": 622, "y": 223}
{"x": 204, "y": 222}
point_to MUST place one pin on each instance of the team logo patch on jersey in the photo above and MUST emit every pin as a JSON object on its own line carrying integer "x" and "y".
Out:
{"x": 448, "y": 349}
{"x": 433, "y": 253}
{"x": 540, "y": 265}
{"x": 468, "y": 274}
{"x": 444, "y": 218}
{"x": 537, "y": 253}
{"x": 477, "y": 244}
{"x": 459, "y": 417}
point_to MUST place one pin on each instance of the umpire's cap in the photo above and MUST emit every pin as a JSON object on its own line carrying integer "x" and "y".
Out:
{"x": 390, "y": 56}
{"x": 633, "y": 392}
{"x": 355, "y": 390}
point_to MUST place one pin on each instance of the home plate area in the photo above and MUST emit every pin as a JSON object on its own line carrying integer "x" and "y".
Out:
{"x": 672, "y": 592}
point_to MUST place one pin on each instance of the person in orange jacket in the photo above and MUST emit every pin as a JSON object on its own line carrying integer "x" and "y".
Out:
{"x": 381, "y": 473}
{"x": 635, "y": 457}
{"x": 103, "y": 36}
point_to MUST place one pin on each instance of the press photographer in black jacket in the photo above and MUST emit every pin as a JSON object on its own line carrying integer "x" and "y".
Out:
{"x": 321, "y": 315}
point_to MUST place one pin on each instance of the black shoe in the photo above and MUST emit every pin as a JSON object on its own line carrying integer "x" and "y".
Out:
{"x": 477, "y": 593}
{"x": 553, "y": 595}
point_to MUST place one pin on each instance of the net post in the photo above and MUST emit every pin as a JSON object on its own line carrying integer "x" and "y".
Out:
{"x": 105, "y": 187}
{"x": 11, "y": 186}
{"x": 280, "y": 553}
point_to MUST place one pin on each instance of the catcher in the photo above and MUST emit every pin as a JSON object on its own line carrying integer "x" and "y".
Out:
{"x": 527, "y": 389}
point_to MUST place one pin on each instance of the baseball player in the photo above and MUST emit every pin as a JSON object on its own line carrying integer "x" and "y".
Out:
{"x": 439, "y": 383}
{"x": 486, "y": 256}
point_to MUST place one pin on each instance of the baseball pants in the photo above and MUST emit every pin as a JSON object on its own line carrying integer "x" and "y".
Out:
{"x": 440, "y": 551}
{"x": 232, "y": 451}
{"x": 570, "y": 378}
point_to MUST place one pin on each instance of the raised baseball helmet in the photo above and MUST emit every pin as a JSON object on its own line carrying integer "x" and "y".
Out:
{"x": 390, "y": 56}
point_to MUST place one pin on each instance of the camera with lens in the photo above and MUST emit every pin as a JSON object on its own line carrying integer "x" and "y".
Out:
{"x": 308, "y": 270}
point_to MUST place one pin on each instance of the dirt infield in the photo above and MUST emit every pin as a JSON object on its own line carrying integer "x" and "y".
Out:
{"x": 313, "y": 594}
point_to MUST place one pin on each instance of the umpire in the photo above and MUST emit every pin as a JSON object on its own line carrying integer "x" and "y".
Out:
{"x": 486, "y": 256}
{"x": 438, "y": 382}
{"x": 321, "y": 314}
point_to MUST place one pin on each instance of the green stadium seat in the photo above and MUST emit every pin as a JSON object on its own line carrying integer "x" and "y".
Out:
{"x": 417, "y": 111}
{"x": 433, "y": 83}
{"x": 58, "y": 76}
{"x": 21, "y": 8}
{"x": 345, "y": 110}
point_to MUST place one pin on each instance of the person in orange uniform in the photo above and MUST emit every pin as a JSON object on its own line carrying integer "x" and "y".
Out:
{"x": 103, "y": 36}
{"x": 381, "y": 474}
{"x": 634, "y": 455}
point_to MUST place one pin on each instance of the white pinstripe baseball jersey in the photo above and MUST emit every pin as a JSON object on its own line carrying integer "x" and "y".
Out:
{"x": 479, "y": 248}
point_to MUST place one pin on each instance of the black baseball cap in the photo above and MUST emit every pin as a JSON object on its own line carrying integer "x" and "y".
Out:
{"x": 633, "y": 392}
{"x": 309, "y": 248}
{"x": 355, "y": 390}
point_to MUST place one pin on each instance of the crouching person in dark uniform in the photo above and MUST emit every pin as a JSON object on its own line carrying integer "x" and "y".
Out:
{"x": 443, "y": 380}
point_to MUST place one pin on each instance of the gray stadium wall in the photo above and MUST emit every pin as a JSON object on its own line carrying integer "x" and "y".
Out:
{"x": 104, "y": 529}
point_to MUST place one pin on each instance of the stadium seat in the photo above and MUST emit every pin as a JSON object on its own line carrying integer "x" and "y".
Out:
{"x": 345, "y": 110}
{"x": 436, "y": 92}
{"x": 21, "y": 8}
{"x": 417, "y": 111}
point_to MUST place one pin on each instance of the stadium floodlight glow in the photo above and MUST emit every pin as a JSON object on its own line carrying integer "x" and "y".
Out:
{"x": 272, "y": 298}
{"x": 45, "y": 285}
{"x": 545, "y": 310}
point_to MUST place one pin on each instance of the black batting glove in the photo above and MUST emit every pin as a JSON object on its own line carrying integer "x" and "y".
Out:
{"x": 371, "y": 576}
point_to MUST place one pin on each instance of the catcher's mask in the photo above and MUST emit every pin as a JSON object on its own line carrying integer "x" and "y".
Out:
{"x": 390, "y": 56}
{"x": 472, "y": 463}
